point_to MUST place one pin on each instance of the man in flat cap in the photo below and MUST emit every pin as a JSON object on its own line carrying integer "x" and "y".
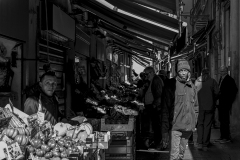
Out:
{"x": 228, "y": 92}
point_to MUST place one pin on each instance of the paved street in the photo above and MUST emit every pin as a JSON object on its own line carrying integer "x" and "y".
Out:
{"x": 228, "y": 151}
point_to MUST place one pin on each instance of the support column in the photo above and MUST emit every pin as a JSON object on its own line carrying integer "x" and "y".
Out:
{"x": 234, "y": 51}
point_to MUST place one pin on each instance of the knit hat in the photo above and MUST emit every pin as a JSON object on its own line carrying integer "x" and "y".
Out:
{"x": 183, "y": 64}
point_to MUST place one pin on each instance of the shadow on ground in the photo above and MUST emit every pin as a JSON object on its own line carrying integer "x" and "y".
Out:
{"x": 227, "y": 151}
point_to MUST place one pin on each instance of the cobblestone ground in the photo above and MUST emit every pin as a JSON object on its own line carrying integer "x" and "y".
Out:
{"x": 227, "y": 151}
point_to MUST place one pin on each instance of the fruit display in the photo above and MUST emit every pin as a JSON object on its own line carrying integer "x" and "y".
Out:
{"x": 56, "y": 142}
{"x": 55, "y": 147}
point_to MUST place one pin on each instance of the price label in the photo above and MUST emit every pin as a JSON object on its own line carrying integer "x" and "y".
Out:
{"x": 41, "y": 117}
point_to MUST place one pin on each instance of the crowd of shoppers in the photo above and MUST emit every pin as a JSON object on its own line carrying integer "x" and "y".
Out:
{"x": 176, "y": 107}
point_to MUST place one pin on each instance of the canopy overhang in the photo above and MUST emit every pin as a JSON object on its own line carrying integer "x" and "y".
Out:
{"x": 127, "y": 22}
{"x": 169, "y": 6}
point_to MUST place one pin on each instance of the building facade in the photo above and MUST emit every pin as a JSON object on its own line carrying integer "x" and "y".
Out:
{"x": 222, "y": 45}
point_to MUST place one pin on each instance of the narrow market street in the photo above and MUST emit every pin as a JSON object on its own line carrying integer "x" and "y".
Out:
{"x": 227, "y": 151}
{"x": 101, "y": 79}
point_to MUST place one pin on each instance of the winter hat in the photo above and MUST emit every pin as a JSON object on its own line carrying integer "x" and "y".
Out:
{"x": 183, "y": 64}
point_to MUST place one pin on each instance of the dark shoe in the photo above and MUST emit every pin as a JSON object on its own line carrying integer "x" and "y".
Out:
{"x": 215, "y": 126}
{"x": 199, "y": 147}
{"x": 225, "y": 141}
{"x": 146, "y": 143}
{"x": 210, "y": 144}
{"x": 205, "y": 149}
{"x": 218, "y": 140}
{"x": 153, "y": 146}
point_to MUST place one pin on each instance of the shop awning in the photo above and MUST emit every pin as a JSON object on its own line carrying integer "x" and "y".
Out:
{"x": 207, "y": 30}
{"x": 189, "y": 51}
{"x": 129, "y": 37}
{"x": 197, "y": 35}
{"x": 132, "y": 24}
{"x": 144, "y": 12}
{"x": 198, "y": 39}
{"x": 141, "y": 59}
{"x": 169, "y": 6}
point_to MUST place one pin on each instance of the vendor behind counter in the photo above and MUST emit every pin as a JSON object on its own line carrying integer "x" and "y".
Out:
{"x": 42, "y": 98}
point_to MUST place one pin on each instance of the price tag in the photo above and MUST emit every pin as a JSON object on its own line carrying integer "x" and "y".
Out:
{"x": 41, "y": 117}
{"x": 4, "y": 153}
{"x": 40, "y": 114}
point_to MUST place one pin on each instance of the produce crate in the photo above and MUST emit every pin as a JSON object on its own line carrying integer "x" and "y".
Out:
{"x": 122, "y": 146}
{"x": 93, "y": 154}
{"x": 98, "y": 140}
{"x": 120, "y": 157}
{"x": 122, "y": 135}
{"x": 120, "y": 150}
{"x": 112, "y": 126}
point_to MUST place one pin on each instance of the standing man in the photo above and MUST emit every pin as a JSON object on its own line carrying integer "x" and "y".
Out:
{"x": 152, "y": 102}
{"x": 44, "y": 99}
{"x": 163, "y": 75}
{"x": 141, "y": 81}
{"x": 208, "y": 91}
{"x": 180, "y": 110}
{"x": 228, "y": 92}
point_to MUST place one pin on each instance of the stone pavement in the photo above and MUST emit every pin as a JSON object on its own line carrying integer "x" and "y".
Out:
{"x": 227, "y": 151}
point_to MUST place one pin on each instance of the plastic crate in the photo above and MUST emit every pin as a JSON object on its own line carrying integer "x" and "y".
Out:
{"x": 130, "y": 126}
{"x": 120, "y": 150}
{"x": 122, "y": 135}
{"x": 123, "y": 144}
{"x": 120, "y": 157}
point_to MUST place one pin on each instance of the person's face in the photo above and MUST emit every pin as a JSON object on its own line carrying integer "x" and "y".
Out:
{"x": 223, "y": 73}
{"x": 183, "y": 73}
{"x": 149, "y": 75}
{"x": 48, "y": 85}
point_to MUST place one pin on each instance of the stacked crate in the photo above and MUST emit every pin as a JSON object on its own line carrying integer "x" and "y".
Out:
{"x": 122, "y": 145}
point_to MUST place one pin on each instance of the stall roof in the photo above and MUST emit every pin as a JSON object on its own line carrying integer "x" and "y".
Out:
{"x": 130, "y": 37}
{"x": 129, "y": 22}
{"x": 144, "y": 12}
{"x": 208, "y": 29}
{"x": 164, "y": 5}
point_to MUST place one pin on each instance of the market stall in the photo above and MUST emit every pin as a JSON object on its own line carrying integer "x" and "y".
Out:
{"x": 30, "y": 137}
{"x": 105, "y": 130}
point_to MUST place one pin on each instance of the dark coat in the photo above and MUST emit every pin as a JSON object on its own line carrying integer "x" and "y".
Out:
{"x": 228, "y": 91}
{"x": 208, "y": 92}
{"x": 186, "y": 116}
{"x": 157, "y": 88}
{"x": 49, "y": 106}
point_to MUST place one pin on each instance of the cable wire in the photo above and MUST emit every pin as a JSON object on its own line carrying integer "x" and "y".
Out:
{"x": 46, "y": 13}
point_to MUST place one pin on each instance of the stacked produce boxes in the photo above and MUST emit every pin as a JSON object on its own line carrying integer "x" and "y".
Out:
{"x": 122, "y": 145}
